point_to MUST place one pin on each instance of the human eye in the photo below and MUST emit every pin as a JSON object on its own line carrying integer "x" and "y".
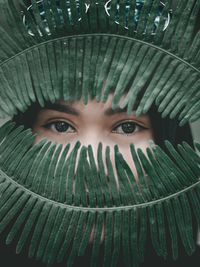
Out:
{"x": 60, "y": 126}
{"x": 128, "y": 128}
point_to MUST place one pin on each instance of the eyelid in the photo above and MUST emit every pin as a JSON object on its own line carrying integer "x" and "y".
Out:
{"x": 54, "y": 120}
{"x": 48, "y": 126}
{"x": 129, "y": 120}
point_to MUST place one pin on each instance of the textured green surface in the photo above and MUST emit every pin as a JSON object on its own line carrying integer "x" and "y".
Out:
{"x": 52, "y": 208}
{"x": 45, "y": 58}
{"x": 42, "y": 193}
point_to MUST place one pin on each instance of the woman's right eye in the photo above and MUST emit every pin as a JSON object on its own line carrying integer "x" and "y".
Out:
{"x": 60, "y": 127}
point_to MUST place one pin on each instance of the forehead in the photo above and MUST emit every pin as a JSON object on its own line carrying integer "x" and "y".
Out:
{"x": 93, "y": 110}
{"x": 92, "y": 103}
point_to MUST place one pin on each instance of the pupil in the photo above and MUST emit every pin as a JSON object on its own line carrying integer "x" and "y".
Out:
{"x": 61, "y": 126}
{"x": 128, "y": 127}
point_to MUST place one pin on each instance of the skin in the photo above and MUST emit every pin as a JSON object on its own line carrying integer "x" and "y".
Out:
{"x": 94, "y": 123}
{"x": 91, "y": 124}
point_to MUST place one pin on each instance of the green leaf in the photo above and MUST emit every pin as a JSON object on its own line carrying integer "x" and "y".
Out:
{"x": 69, "y": 235}
{"x": 53, "y": 226}
{"x": 39, "y": 228}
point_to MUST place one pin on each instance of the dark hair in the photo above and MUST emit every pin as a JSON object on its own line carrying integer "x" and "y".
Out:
{"x": 169, "y": 129}
{"x": 27, "y": 118}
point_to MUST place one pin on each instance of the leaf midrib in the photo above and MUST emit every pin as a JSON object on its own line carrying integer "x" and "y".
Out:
{"x": 85, "y": 209}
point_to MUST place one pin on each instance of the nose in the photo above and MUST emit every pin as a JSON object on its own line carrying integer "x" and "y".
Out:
{"x": 95, "y": 145}
{"x": 92, "y": 137}
{"x": 92, "y": 141}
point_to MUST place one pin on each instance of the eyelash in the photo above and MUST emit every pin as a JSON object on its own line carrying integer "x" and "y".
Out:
{"x": 48, "y": 126}
{"x": 138, "y": 127}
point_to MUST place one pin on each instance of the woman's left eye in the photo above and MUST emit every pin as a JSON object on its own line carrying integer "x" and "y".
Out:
{"x": 127, "y": 128}
{"x": 60, "y": 127}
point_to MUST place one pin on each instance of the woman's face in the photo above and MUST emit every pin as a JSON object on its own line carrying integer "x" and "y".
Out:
{"x": 69, "y": 122}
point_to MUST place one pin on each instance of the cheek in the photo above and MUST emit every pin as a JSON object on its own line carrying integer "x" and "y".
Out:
{"x": 42, "y": 133}
{"x": 126, "y": 153}
{"x": 140, "y": 140}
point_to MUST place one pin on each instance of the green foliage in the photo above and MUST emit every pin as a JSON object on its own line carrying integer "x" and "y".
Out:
{"x": 63, "y": 52}
{"x": 55, "y": 49}
{"x": 56, "y": 208}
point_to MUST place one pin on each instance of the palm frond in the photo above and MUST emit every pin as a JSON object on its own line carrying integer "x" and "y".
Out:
{"x": 76, "y": 205}
{"x": 58, "y": 50}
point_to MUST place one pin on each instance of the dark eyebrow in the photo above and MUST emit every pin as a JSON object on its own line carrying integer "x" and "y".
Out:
{"x": 70, "y": 110}
{"x": 111, "y": 112}
{"x": 62, "y": 108}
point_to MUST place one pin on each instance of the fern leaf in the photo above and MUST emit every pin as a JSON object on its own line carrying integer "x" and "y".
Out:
{"x": 48, "y": 30}
{"x": 163, "y": 190}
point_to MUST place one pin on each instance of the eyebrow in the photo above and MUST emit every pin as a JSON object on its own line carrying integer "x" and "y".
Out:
{"x": 70, "y": 110}
{"x": 62, "y": 108}
{"x": 111, "y": 112}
